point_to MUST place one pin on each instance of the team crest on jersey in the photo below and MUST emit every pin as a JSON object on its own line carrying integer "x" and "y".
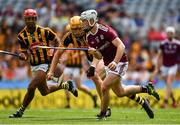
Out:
{"x": 92, "y": 42}
{"x": 103, "y": 28}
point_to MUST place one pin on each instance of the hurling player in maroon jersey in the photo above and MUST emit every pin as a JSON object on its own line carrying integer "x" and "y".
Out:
{"x": 167, "y": 63}
{"x": 104, "y": 39}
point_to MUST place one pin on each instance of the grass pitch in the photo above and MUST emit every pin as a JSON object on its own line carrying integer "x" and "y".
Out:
{"x": 87, "y": 116}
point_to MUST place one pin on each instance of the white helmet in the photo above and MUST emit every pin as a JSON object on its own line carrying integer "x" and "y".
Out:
{"x": 170, "y": 29}
{"x": 89, "y": 14}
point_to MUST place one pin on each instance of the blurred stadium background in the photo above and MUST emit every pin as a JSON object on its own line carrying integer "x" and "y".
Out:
{"x": 140, "y": 24}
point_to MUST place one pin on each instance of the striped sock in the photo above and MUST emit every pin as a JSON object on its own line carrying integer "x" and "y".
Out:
{"x": 138, "y": 99}
{"x": 22, "y": 108}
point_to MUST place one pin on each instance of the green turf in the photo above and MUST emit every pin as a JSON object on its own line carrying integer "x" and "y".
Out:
{"x": 87, "y": 116}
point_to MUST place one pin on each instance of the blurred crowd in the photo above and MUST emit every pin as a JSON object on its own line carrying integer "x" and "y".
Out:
{"x": 141, "y": 47}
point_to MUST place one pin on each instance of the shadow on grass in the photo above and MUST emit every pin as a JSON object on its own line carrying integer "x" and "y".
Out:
{"x": 67, "y": 120}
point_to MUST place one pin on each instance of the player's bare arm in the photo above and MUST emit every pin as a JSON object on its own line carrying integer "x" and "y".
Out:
{"x": 119, "y": 53}
{"x": 55, "y": 60}
{"x": 54, "y": 63}
{"x": 159, "y": 60}
{"x": 158, "y": 65}
{"x": 56, "y": 41}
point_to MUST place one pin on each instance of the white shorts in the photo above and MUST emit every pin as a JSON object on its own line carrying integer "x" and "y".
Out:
{"x": 172, "y": 70}
{"x": 120, "y": 70}
{"x": 42, "y": 67}
{"x": 74, "y": 72}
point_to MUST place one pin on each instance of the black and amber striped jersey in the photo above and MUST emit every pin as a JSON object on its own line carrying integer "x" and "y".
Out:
{"x": 74, "y": 58}
{"x": 69, "y": 38}
{"x": 42, "y": 36}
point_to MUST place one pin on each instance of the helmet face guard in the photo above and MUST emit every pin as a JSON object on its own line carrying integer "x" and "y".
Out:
{"x": 76, "y": 26}
{"x": 30, "y": 19}
{"x": 77, "y": 32}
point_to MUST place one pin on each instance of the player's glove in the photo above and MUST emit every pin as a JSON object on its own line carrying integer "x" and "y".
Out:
{"x": 22, "y": 56}
{"x": 90, "y": 71}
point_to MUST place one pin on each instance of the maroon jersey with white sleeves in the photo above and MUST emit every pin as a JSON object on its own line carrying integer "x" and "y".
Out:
{"x": 102, "y": 40}
{"x": 170, "y": 51}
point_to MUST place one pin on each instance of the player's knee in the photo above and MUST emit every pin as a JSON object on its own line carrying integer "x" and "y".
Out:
{"x": 120, "y": 93}
{"x": 104, "y": 89}
{"x": 43, "y": 91}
